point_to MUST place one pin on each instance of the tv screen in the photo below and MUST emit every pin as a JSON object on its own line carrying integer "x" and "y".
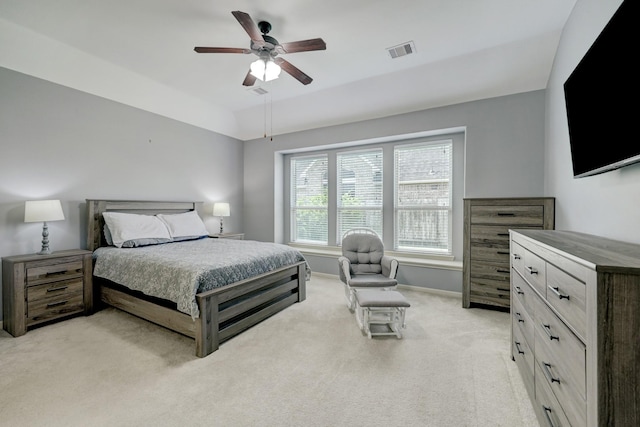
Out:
{"x": 600, "y": 95}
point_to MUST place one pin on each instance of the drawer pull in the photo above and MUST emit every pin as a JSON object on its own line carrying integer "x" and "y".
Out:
{"x": 518, "y": 290}
{"x": 500, "y": 270}
{"x": 56, "y": 273}
{"x": 516, "y": 256}
{"x": 519, "y": 316}
{"x": 547, "y": 415}
{"x": 556, "y": 290}
{"x": 503, "y": 253}
{"x": 503, "y": 234}
{"x": 506, "y": 214}
{"x": 532, "y": 270}
{"x": 518, "y": 347}
{"x": 59, "y": 288}
{"x": 55, "y": 304}
{"x": 503, "y": 289}
{"x": 547, "y": 329}
{"x": 547, "y": 373}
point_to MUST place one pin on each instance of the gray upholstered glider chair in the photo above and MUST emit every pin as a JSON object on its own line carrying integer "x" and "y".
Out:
{"x": 363, "y": 264}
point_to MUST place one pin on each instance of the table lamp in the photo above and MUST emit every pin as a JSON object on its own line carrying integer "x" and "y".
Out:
{"x": 43, "y": 211}
{"x": 221, "y": 210}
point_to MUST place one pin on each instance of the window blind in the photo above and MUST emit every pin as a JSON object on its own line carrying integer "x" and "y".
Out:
{"x": 422, "y": 187}
{"x": 309, "y": 199}
{"x": 359, "y": 185}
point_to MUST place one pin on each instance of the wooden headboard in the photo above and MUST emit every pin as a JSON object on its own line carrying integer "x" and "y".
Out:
{"x": 95, "y": 208}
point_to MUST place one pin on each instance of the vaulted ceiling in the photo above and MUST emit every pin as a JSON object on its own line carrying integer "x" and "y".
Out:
{"x": 140, "y": 53}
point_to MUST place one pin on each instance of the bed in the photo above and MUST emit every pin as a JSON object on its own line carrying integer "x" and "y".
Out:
{"x": 216, "y": 312}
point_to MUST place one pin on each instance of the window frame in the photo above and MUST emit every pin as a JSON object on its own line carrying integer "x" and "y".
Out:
{"x": 332, "y": 249}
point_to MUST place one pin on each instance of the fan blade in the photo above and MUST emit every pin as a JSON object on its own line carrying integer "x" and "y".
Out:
{"x": 221, "y": 50}
{"x": 249, "y": 80}
{"x": 293, "y": 71}
{"x": 303, "y": 46}
{"x": 249, "y": 26}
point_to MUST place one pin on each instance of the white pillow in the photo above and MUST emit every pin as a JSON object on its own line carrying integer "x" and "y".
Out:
{"x": 129, "y": 230}
{"x": 184, "y": 226}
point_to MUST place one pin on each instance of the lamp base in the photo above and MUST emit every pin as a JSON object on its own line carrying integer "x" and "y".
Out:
{"x": 45, "y": 240}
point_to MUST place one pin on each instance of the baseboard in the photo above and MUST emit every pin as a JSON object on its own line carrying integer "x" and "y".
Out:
{"x": 442, "y": 292}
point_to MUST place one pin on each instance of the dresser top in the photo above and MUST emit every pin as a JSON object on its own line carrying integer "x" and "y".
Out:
{"x": 602, "y": 253}
{"x": 38, "y": 257}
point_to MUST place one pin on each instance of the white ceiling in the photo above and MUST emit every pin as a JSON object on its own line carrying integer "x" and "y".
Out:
{"x": 140, "y": 53}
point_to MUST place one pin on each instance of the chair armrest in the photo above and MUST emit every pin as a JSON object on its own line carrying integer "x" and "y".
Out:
{"x": 389, "y": 266}
{"x": 344, "y": 269}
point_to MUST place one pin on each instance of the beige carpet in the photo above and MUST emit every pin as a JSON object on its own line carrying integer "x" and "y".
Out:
{"x": 306, "y": 366}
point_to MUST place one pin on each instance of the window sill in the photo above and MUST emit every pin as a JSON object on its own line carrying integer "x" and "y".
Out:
{"x": 404, "y": 258}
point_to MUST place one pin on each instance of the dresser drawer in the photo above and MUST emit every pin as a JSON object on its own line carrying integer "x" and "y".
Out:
{"x": 506, "y": 214}
{"x": 522, "y": 320}
{"x": 496, "y": 235}
{"x": 561, "y": 358}
{"x": 546, "y": 404}
{"x": 53, "y": 271}
{"x": 524, "y": 357}
{"x": 534, "y": 271}
{"x": 524, "y": 293}
{"x": 49, "y": 308}
{"x": 490, "y": 291}
{"x": 560, "y": 344}
{"x": 491, "y": 253}
{"x": 568, "y": 296}
{"x": 54, "y": 290}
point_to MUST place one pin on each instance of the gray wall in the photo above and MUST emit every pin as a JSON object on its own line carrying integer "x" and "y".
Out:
{"x": 504, "y": 154}
{"x": 608, "y": 204}
{"x": 60, "y": 143}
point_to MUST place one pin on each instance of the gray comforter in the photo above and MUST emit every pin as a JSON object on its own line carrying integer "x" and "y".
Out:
{"x": 178, "y": 271}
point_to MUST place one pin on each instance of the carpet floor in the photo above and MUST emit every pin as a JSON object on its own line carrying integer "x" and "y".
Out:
{"x": 309, "y": 365}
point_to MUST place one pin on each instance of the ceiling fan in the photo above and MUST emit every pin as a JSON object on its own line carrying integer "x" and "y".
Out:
{"x": 268, "y": 66}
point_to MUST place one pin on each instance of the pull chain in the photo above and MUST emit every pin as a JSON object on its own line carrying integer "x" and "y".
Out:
{"x": 270, "y": 117}
{"x": 265, "y": 117}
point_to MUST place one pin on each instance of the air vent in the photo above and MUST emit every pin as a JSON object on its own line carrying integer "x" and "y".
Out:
{"x": 258, "y": 90}
{"x": 403, "y": 49}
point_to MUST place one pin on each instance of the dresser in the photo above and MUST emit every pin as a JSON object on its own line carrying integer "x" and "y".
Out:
{"x": 485, "y": 267}
{"x": 575, "y": 326}
{"x": 43, "y": 288}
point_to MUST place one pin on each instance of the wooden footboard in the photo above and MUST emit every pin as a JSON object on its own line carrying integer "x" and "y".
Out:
{"x": 231, "y": 309}
{"x": 225, "y": 311}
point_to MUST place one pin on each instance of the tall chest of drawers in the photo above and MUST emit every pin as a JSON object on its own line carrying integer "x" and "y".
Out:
{"x": 43, "y": 288}
{"x": 486, "y": 243}
{"x": 575, "y": 329}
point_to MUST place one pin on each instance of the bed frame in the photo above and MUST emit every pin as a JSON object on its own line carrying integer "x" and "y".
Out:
{"x": 224, "y": 312}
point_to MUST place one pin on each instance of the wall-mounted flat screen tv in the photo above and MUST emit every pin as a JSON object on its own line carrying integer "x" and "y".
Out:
{"x": 600, "y": 96}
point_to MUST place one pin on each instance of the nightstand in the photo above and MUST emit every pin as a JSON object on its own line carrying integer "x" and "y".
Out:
{"x": 235, "y": 236}
{"x": 42, "y": 288}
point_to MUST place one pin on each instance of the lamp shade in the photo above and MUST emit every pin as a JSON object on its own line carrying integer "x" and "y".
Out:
{"x": 265, "y": 70}
{"x": 43, "y": 211}
{"x": 221, "y": 209}
{"x": 272, "y": 71}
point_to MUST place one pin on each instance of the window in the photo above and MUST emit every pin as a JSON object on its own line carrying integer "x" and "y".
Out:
{"x": 410, "y": 204}
{"x": 309, "y": 199}
{"x": 423, "y": 195}
{"x": 359, "y": 184}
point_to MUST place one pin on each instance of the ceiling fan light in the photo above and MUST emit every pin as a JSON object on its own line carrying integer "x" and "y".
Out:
{"x": 272, "y": 71}
{"x": 258, "y": 69}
